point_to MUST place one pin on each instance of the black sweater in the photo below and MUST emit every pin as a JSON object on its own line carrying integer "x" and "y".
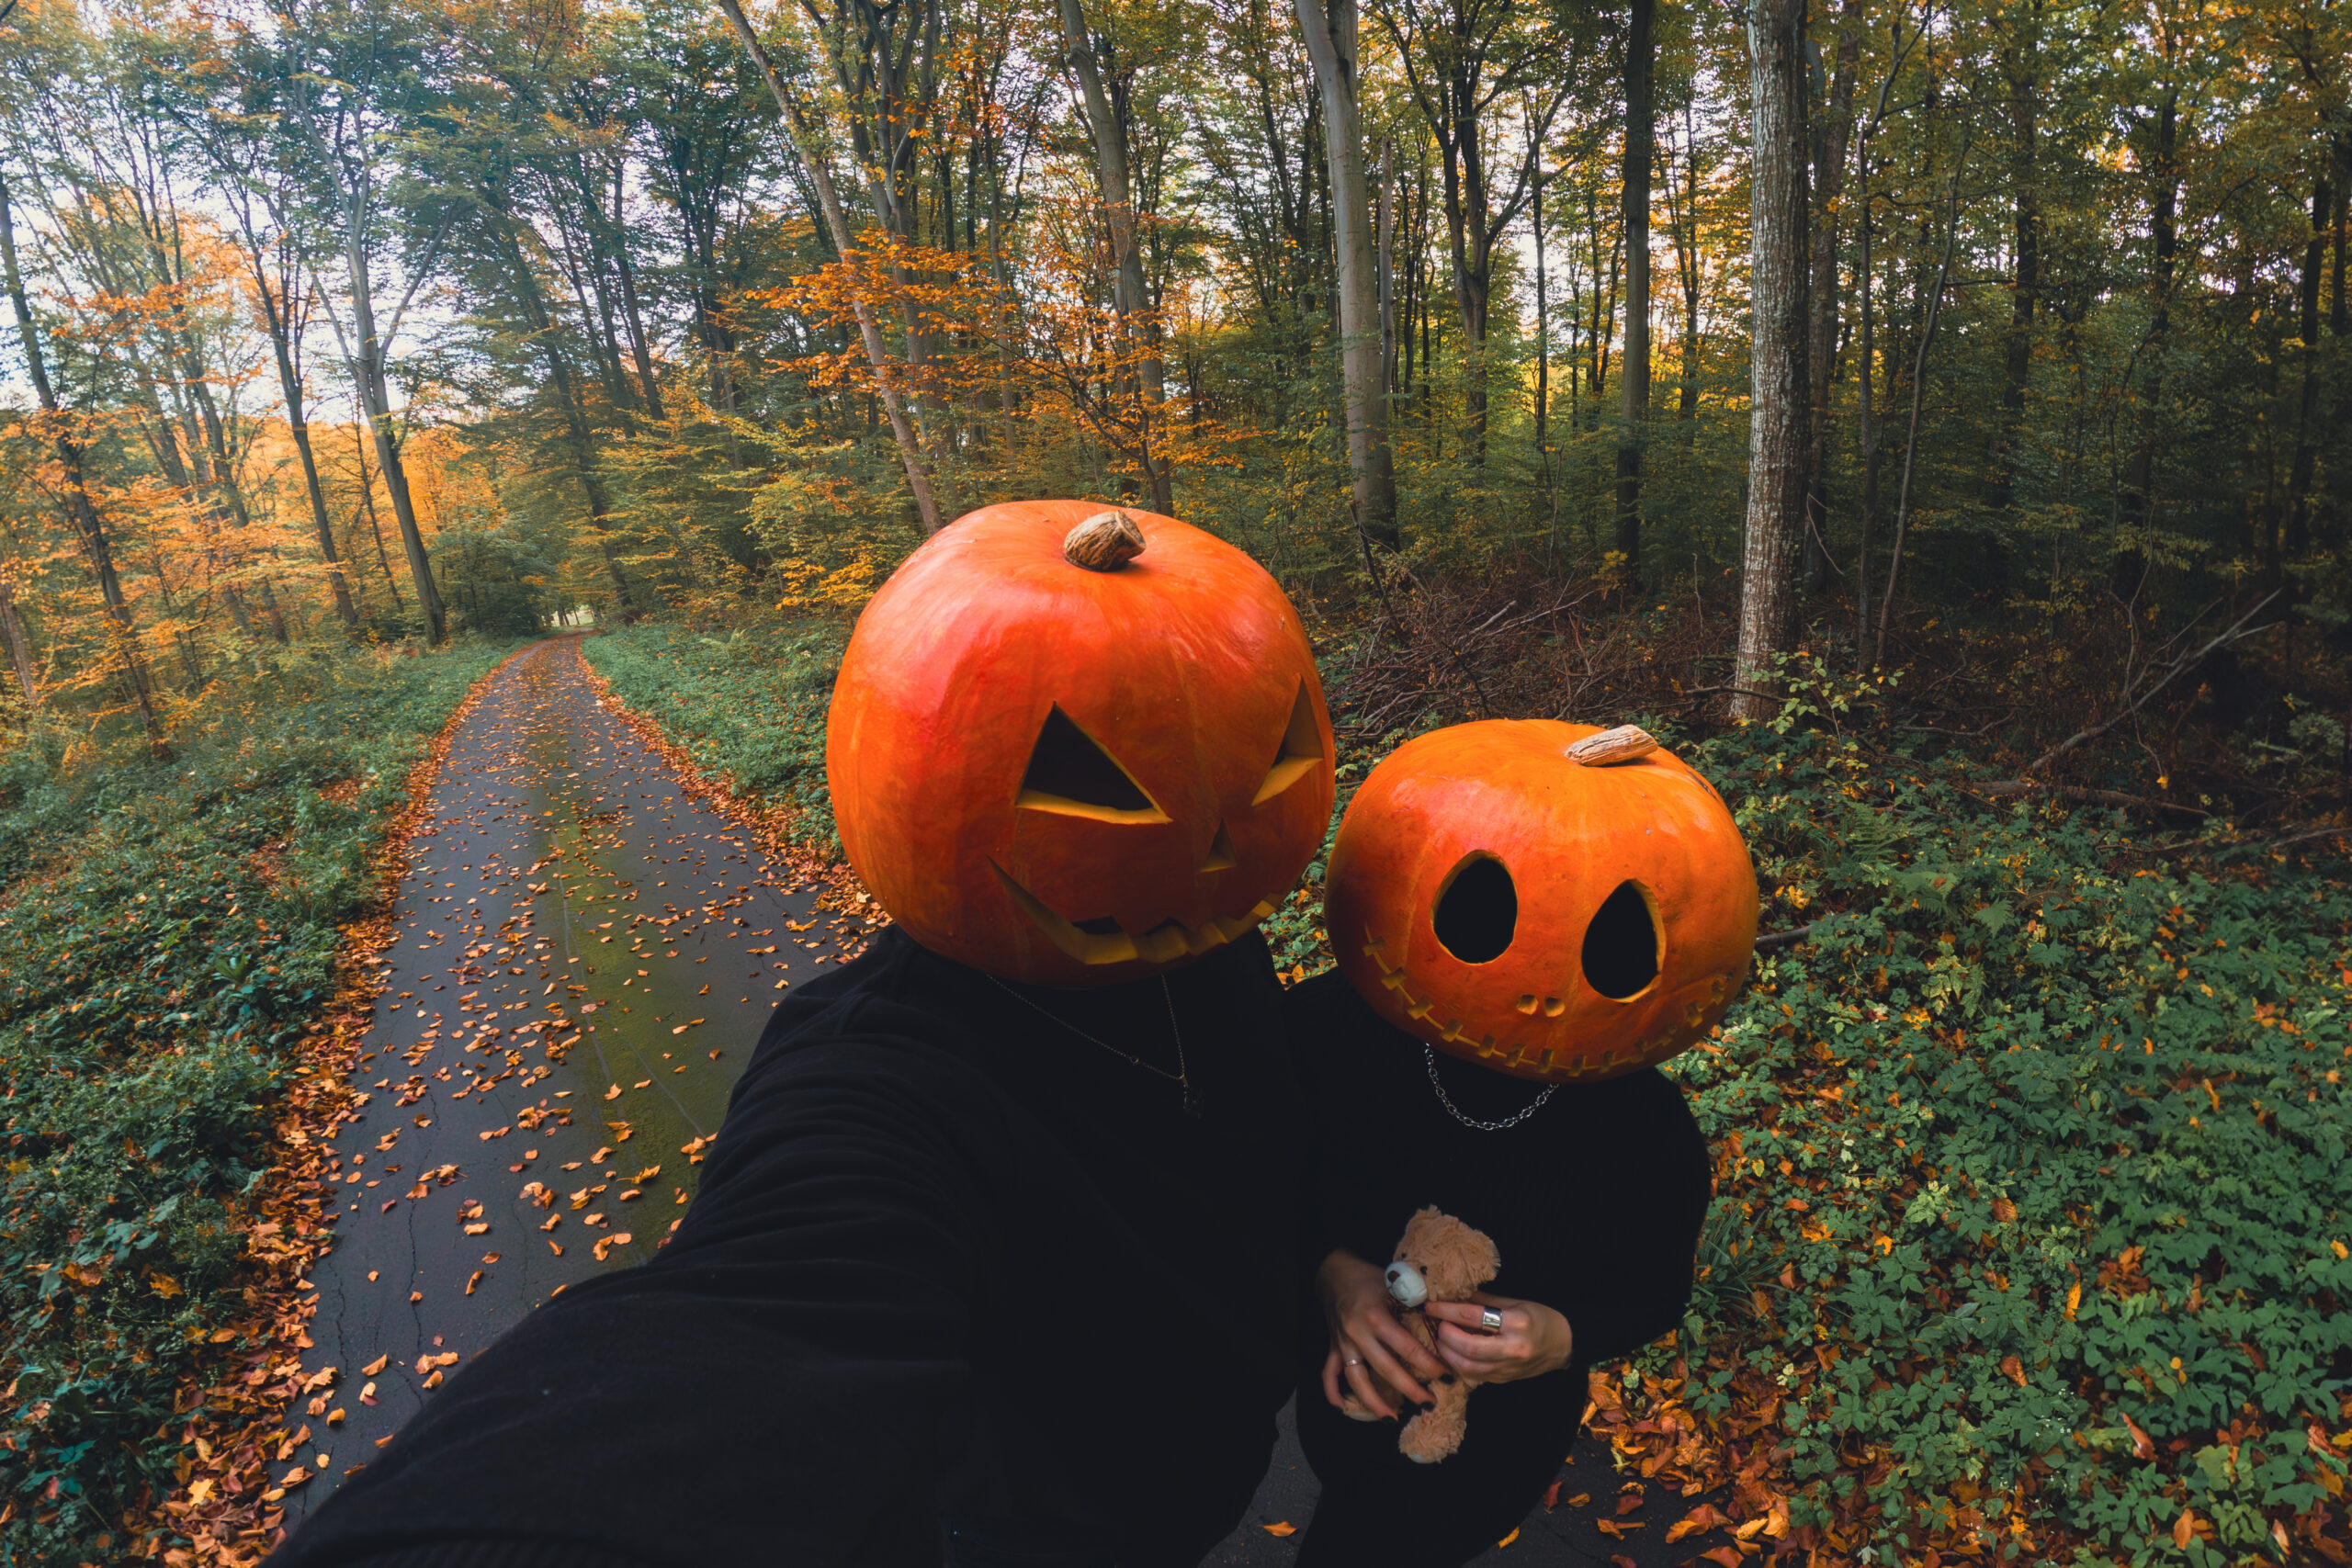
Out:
{"x": 1594, "y": 1201}
{"x": 947, "y": 1255}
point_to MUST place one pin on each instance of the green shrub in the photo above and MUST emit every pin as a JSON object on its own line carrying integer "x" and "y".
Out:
{"x": 2064, "y": 1148}
{"x": 169, "y": 929}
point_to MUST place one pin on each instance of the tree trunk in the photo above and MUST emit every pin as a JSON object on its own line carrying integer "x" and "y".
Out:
{"x": 1633, "y": 406}
{"x": 2307, "y": 429}
{"x": 297, "y": 425}
{"x": 88, "y": 525}
{"x": 1137, "y": 347}
{"x": 375, "y": 406}
{"x": 1330, "y": 27}
{"x": 1866, "y": 421}
{"x": 1833, "y": 136}
{"x": 1778, "y": 432}
{"x": 2026, "y": 281}
{"x": 820, "y": 176}
{"x": 2138, "y": 499}
{"x": 19, "y": 654}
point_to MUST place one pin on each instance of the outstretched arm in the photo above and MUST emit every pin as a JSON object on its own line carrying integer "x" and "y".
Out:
{"x": 771, "y": 1389}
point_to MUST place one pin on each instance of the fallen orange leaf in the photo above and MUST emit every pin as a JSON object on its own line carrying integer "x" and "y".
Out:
{"x": 1280, "y": 1527}
{"x": 1506, "y": 1540}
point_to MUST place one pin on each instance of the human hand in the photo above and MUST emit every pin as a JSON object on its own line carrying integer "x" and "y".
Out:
{"x": 1376, "y": 1355}
{"x": 1533, "y": 1339}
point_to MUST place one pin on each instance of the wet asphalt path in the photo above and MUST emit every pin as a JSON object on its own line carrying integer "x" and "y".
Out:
{"x": 585, "y": 956}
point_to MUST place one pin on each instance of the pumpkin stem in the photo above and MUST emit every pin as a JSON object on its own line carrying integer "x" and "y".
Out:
{"x": 1104, "y": 542}
{"x": 1622, "y": 744}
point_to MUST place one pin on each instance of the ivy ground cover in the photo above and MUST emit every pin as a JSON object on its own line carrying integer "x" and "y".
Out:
{"x": 168, "y": 930}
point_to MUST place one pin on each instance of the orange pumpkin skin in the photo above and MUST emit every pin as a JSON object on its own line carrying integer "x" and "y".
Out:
{"x": 1569, "y": 837}
{"x": 1186, "y": 668}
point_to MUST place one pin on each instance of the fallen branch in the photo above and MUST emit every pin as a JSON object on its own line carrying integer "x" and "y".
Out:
{"x": 1997, "y": 787}
{"x": 2237, "y": 631}
{"x": 1770, "y": 940}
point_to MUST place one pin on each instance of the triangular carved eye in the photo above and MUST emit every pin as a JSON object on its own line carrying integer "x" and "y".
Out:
{"x": 1301, "y": 753}
{"x": 1070, "y": 775}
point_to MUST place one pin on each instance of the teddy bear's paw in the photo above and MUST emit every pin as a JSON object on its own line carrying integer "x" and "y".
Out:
{"x": 1425, "y": 1441}
{"x": 1355, "y": 1409}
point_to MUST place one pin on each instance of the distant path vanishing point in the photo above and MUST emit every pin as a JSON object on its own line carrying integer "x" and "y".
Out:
{"x": 584, "y": 956}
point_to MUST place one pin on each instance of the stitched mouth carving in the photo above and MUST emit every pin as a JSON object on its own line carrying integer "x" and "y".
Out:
{"x": 1101, "y": 941}
{"x": 1548, "y": 1061}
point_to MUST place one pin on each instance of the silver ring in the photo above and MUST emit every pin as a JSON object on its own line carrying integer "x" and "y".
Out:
{"x": 1491, "y": 1321}
{"x": 1354, "y": 1362}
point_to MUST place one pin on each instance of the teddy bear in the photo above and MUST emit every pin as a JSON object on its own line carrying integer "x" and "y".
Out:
{"x": 1444, "y": 1259}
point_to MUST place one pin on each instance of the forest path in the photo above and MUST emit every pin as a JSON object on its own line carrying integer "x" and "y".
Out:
{"x": 572, "y": 924}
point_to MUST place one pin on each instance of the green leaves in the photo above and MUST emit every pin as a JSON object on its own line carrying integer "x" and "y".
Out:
{"x": 2069, "y": 1157}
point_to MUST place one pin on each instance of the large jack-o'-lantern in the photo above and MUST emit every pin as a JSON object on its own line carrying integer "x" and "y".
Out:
{"x": 1077, "y": 747}
{"x": 1549, "y": 899}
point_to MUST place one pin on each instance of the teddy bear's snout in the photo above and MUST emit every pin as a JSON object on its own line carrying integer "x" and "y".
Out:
{"x": 1406, "y": 1286}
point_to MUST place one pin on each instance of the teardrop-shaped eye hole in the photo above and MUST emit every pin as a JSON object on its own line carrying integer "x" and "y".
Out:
{"x": 1071, "y": 775}
{"x": 1301, "y": 750}
{"x": 1479, "y": 912}
{"x": 1621, "y": 946}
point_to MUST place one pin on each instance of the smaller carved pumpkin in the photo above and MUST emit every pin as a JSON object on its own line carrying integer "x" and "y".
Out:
{"x": 1548, "y": 899}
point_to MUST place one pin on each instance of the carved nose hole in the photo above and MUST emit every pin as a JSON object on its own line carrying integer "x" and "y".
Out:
{"x": 1070, "y": 774}
{"x": 1221, "y": 853}
{"x": 1479, "y": 912}
{"x": 1621, "y": 946}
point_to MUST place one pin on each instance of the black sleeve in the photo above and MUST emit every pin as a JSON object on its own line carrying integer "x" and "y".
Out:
{"x": 1653, "y": 1181}
{"x": 1336, "y": 1208}
{"x": 776, "y": 1386}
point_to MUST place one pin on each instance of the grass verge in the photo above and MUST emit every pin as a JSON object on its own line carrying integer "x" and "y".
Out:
{"x": 169, "y": 937}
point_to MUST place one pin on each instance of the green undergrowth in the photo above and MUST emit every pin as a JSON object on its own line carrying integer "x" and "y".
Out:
{"x": 2033, "y": 1193}
{"x": 748, "y": 705}
{"x": 167, "y": 928}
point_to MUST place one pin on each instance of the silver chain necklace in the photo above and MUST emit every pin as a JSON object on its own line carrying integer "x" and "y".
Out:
{"x": 1428, "y": 1058}
{"x": 1180, "y": 1078}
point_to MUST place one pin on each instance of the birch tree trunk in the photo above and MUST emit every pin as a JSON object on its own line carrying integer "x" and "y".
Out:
{"x": 1778, "y": 432}
{"x": 1330, "y": 27}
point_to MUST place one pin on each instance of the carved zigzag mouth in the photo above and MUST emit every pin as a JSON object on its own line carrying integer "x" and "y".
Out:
{"x": 1104, "y": 942}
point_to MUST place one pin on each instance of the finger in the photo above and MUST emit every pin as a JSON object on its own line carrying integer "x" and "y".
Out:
{"x": 1366, "y": 1387}
{"x": 1393, "y": 1369}
{"x": 1472, "y": 1315}
{"x": 1406, "y": 1345}
{"x": 1332, "y": 1365}
{"x": 1480, "y": 1352}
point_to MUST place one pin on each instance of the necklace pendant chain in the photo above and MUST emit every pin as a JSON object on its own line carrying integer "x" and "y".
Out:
{"x": 1181, "y": 1077}
{"x": 1429, "y": 1059}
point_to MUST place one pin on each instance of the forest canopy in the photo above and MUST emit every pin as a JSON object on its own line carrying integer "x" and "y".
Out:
{"x": 354, "y": 320}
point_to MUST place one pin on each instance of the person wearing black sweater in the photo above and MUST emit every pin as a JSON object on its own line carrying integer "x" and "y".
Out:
{"x": 997, "y": 1259}
{"x": 1529, "y": 916}
{"x": 953, "y": 1263}
{"x": 1594, "y": 1201}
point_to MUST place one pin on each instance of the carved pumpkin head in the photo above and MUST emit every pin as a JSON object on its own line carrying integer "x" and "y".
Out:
{"x": 1077, "y": 755}
{"x": 1548, "y": 899}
